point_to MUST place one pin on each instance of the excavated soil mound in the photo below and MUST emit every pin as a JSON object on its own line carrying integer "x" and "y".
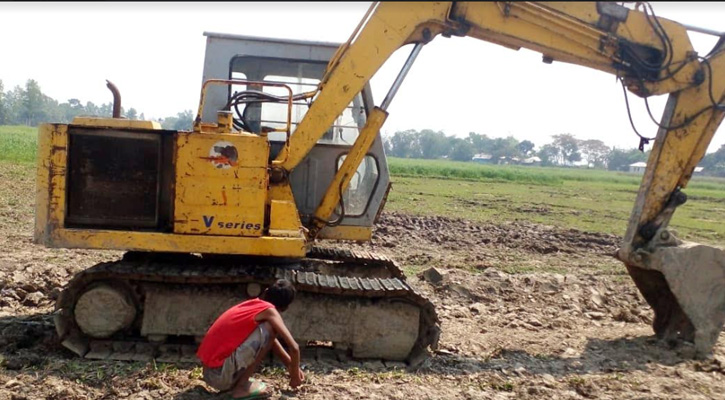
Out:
{"x": 396, "y": 229}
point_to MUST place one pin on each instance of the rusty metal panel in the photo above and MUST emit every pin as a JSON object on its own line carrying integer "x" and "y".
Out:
{"x": 114, "y": 179}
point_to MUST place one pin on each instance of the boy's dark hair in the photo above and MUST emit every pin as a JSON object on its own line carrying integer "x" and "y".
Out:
{"x": 281, "y": 294}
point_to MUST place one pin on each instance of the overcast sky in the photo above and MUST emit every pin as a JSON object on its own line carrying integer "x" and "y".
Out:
{"x": 154, "y": 53}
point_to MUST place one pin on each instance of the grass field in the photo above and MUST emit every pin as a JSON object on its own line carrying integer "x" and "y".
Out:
{"x": 18, "y": 143}
{"x": 590, "y": 200}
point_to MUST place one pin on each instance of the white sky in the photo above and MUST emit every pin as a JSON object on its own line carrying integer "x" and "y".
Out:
{"x": 154, "y": 53}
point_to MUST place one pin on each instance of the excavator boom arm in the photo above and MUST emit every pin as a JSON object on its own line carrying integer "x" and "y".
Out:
{"x": 607, "y": 37}
{"x": 650, "y": 55}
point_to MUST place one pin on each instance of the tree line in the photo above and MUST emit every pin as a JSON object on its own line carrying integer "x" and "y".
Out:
{"x": 28, "y": 105}
{"x": 564, "y": 150}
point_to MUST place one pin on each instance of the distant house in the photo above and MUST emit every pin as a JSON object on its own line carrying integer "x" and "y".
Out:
{"x": 506, "y": 160}
{"x": 698, "y": 170}
{"x": 531, "y": 161}
{"x": 638, "y": 167}
{"x": 483, "y": 158}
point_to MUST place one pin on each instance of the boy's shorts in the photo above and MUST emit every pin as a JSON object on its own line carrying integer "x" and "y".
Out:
{"x": 222, "y": 378}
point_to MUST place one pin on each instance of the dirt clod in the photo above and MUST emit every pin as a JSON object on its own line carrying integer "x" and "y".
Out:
{"x": 432, "y": 276}
{"x": 12, "y": 383}
{"x": 33, "y": 299}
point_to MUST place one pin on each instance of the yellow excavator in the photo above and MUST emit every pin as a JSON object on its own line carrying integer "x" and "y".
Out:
{"x": 285, "y": 149}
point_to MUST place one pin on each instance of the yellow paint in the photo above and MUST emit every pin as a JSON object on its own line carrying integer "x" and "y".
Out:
{"x": 118, "y": 123}
{"x": 357, "y": 233}
{"x": 221, "y": 184}
{"x": 50, "y": 180}
{"x": 676, "y": 153}
{"x": 249, "y": 175}
{"x": 387, "y": 30}
{"x": 281, "y": 192}
{"x": 283, "y": 220}
{"x": 583, "y": 11}
{"x": 205, "y": 127}
{"x": 284, "y": 217}
{"x": 168, "y": 242}
{"x": 564, "y": 31}
{"x": 224, "y": 121}
{"x": 342, "y": 178}
{"x": 42, "y": 180}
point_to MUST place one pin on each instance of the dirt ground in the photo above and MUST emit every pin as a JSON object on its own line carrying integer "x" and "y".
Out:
{"x": 527, "y": 312}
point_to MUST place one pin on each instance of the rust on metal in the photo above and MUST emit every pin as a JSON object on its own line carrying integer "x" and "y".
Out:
{"x": 116, "y": 99}
{"x": 114, "y": 181}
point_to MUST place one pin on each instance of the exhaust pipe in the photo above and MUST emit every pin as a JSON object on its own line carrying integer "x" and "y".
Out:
{"x": 116, "y": 99}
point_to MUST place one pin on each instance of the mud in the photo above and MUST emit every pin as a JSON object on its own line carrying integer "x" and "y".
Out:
{"x": 528, "y": 312}
{"x": 515, "y": 246}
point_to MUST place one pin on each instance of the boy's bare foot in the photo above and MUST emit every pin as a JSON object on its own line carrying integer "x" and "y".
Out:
{"x": 253, "y": 389}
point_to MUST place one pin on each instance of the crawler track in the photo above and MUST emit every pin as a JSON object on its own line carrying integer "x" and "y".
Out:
{"x": 360, "y": 278}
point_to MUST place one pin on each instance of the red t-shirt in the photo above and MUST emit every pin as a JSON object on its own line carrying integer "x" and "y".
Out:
{"x": 230, "y": 330}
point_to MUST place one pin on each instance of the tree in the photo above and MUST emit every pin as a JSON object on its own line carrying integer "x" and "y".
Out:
{"x": 432, "y": 144}
{"x": 526, "y": 148}
{"x": 595, "y": 151}
{"x": 51, "y": 110}
{"x": 91, "y": 109}
{"x": 568, "y": 147}
{"x": 505, "y": 147}
{"x": 32, "y": 103}
{"x": 549, "y": 154}
{"x": 29, "y": 106}
{"x": 182, "y": 121}
{"x": 13, "y": 106}
{"x": 105, "y": 110}
{"x": 75, "y": 104}
{"x": 714, "y": 163}
{"x": 70, "y": 109}
{"x": 461, "y": 150}
{"x": 714, "y": 158}
{"x": 387, "y": 146}
{"x": 480, "y": 143}
{"x": 2, "y": 104}
{"x": 132, "y": 113}
{"x": 619, "y": 160}
{"x": 405, "y": 144}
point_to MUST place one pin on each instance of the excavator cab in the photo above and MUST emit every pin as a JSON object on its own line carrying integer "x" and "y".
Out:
{"x": 300, "y": 65}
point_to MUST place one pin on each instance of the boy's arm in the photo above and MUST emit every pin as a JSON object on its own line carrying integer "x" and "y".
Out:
{"x": 281, "y": 353}
{"x": 272, "y": 316}
{"x": 284, "y": 357}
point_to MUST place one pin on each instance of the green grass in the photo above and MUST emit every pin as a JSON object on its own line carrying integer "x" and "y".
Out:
{"x": 589, "y": 200}
{"x": 18, "y": 143}
{"x": 470, "y": 171}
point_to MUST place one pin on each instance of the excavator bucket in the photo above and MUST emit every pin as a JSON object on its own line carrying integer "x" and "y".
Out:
{"x": 683, "y": 282}
{"x": 685, "y": 286}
